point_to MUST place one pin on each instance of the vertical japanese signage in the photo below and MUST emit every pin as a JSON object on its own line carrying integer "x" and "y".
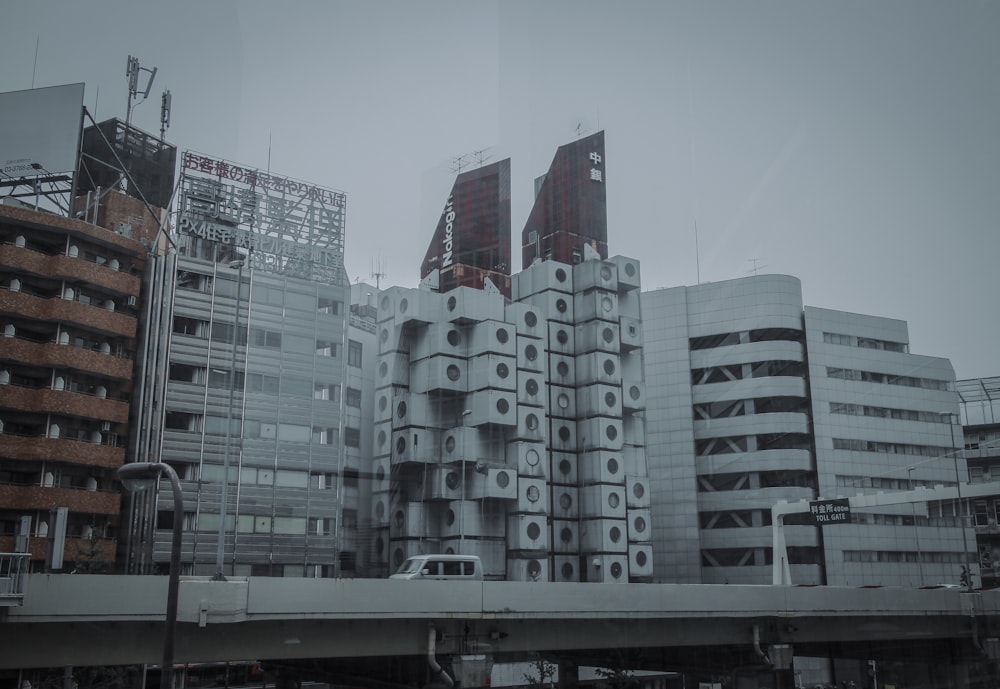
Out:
{"x": 285, "y": 225}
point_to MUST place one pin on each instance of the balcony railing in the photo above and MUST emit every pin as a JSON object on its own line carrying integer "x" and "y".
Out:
{"x": 13, "y": 568}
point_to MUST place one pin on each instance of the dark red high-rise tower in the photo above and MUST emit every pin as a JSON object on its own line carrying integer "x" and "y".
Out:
{"x": 570, "y": 206}
{"x": 472, "y": 240}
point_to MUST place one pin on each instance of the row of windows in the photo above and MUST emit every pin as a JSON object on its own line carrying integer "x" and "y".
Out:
{"x": 857, "y": 445}
{"x": 864, "y": 342}
{"x": 225, "y": 286}
{"x": 227, "y": 333}
{"x": 282, "y": 478}
{"x": 886, "y": 378}
{"x": 704, "y": 447}
{"x": 252, "y": 428}
{"x": 761, "y": 405}
{"x": 756, "y": 480}
{"x": 758, "y": 557}
{"x": 900, "y": 556}
{"x": 759, "y": 335}
{"x": 290, "y": 386}
{"x": 884, "y": 482}
{"x": 757, "y": 369}
{"x": 887, "y": 412}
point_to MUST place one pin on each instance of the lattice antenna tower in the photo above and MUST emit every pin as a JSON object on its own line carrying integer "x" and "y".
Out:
{"x": 132, "y": 74}
{"x": 376, "y": 271}
{"x": 165, "y": 101}
{"x": 473, "y": 159}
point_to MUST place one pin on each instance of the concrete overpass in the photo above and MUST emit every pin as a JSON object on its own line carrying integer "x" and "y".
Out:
{"x": 82, "y": 620}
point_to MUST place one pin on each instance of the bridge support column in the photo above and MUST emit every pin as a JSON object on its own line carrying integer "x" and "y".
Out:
{"x": 569, "y": 674}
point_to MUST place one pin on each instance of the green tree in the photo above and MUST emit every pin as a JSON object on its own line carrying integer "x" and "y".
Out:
{"x": 88, "y": 558}
{"x": 541, "y": 674}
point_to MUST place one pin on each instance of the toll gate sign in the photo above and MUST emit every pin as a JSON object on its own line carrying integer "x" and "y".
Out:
{"x": 830, "y": 511}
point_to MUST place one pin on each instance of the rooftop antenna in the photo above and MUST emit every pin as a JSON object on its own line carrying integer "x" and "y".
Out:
{"x": 469, "y": 160}
{"x": 164, "y": 113}
{"x": 755, "y": 266}
{"x": 132, "y": 74}
{"x": 375, "y": 267}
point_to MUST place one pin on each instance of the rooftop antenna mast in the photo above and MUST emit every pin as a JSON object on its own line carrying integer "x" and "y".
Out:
{"x": 755, "y": 266}
{"x": 375, "y": 269}
{"x": 164, "y": 113}
{"x": 469, "y": 160}
{"x": 132, "y": 74}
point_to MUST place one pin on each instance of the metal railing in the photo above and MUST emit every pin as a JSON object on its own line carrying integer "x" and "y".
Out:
{"x": 13, "y": 568}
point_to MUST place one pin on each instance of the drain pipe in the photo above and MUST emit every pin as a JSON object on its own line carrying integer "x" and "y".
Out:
{"x": 432, "y": 660}
{"x": 756, "y": 646}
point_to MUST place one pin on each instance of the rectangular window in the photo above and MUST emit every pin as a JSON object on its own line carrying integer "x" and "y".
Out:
{"x": 354, "y": 350}
{"x": 352, "y": 397}
{"x": 352, "y": 437}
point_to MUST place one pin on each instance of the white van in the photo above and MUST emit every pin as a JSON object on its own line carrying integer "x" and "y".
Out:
{"x": 450, "y": 567}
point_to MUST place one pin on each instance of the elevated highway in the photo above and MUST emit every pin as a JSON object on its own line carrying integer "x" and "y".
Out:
{"x": 82, "y": 620}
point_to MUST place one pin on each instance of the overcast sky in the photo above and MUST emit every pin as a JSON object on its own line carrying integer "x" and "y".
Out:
{"x": 853, "y": 144}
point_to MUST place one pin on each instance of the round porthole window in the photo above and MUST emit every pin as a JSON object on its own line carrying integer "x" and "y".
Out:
{"x": 565, "y": 467}
{"x": 400, "y": 445}
{"x": 563, "y": 400}
{"x": 567, "y": 571}
{"x": 565, "y": 501}
{"x": 605, "y": 273}
{"x": 384, "y": 336}
{"x": 566, "y": 535}
{"x": 453, "y": 372}
{"x": 533, "y": 494}
{"x": 639, "y": 524}
{"x": 403, "y": 305}
{"x": 638, "y": 490}
{"x": 531, "y": 352}
{"x": 562, "y": 337}
{"x": 612, "y": 466}
{"x": 383, "y": 370}
{"x": 560, "y": 275}
{"x": 386, "y": 303}
{"x": 613, "y": 500}
{"x": 454, "y": 338}
{"x": 503, "y": 479}
{"x": 399, "y": 518}
{"x": 502, "y": 335}
{"x": 531, "y": 421}
{"x": 397, "y": 557}
{"x": 609, "y": 367}
{"x": 616, "y": 570}
{"x": 534, "y": 569}
{"x": 380, "y": 474}
{"x": 611, "y": 432}
{"x": 530, "y": 319}
{"x": 449, "y": 551}
{"x": 452, "y": 303}
{"x": 562, "y": 368}
{"x": 449, "y": 444}
{"x": 615, "y": 534}
{"x": 532, "y": 458}
{"x": 502, "y": 370}
{"x": 383, "y": 402}
{"x": 561, "y": 305}
{"x": 610, "y": 399}
{"x": 531, "y": 386}
{"x": 401, "y": 409}
{"x": 503, "y": 406}
{"x": 450, "y": 517}
{"x": 608, "y": 335}
{"x": 640, "y": 558}
{"x": 634, "y": 392}
{"x": 381, "y": 438}
{"x": 630, "y": 270}
{"x": 534, "y": 531}
{"x": 451, "y": 480}
{"x": 564, "y": 434}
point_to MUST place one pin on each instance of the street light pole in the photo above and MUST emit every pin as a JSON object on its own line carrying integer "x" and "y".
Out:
{"x": 142, "y": 476}
{"x": 220, "y": 547}
{"x": 958, "y": 491}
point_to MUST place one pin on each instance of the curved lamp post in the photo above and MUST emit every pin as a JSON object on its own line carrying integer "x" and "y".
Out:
{"x": 142, "y": 476}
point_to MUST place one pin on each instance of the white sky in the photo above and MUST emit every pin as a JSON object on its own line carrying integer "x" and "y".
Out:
{"x": 854, "y": 144}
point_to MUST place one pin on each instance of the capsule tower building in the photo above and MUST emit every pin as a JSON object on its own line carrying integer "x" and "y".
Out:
{"x": 512, "y": 428}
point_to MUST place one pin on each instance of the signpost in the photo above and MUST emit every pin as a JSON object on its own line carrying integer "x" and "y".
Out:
{"x": 825, "y": 512}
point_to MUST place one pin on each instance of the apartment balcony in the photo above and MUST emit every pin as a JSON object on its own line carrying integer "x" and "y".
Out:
{"x": 37, "y": 545}
{"x": 41, "y": 449}
{"x": 62, "y": 267}
{"x": 65, "y": 403}
{"x": 65, "y": 356}
{"x": 54, "y": 309}
{"x": 20, "y": 497}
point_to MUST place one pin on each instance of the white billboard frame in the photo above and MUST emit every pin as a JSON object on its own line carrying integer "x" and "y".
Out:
{"x": 41, "y": 134}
